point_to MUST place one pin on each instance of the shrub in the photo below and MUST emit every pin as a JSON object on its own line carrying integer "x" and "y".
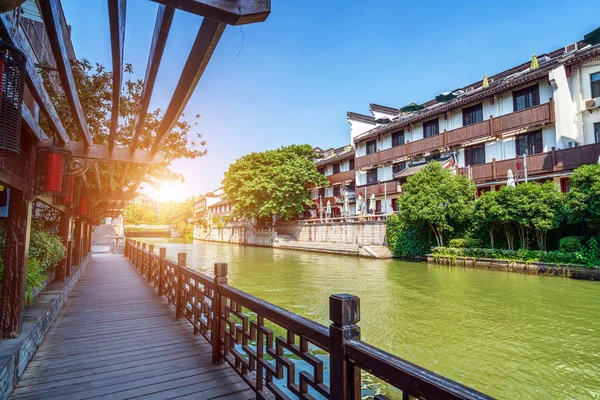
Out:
{"x": 413, "y": 241}
{"x": 591, "y": 253}
{"x": 458, "y": 243}
{"x": 570, "y": 243}
{"x": 47, "y": 248}
{"x": 393, "y": 227}
{"x": 34, "y": 280}
{"x": 553, "y": 257}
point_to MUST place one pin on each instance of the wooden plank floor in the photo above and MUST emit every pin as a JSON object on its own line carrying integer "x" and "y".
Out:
{"x": 116, "y": 339}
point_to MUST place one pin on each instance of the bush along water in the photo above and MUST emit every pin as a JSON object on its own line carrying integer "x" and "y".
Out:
{"x": 45, "y": 252}
{"x": 530, "y": 222}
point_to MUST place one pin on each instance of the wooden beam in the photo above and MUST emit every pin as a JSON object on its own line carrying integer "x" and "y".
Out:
{"x": 31, "y": 124}
{"x": 64, "y": 230}
{"x": 232, "y": 12}
{"x": 116, "y": 18}
{"x": 97, "y": 173}
{"x": 102, "y": 152}
{"x": 111, "y": 194}
{"x": 52, "y": 15}
{"x": 32, "y": 78}
{"x": 162, "y": 26}
{"x": 12, "y": 300}
{"x": 208, "y": 36}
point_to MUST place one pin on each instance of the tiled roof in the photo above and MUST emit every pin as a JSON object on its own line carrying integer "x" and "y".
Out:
{"x": 335, "y": 155}
{"x": 498, "y": 83}
{"x": 383, "y": 109}
{"x": 360, "y": 117}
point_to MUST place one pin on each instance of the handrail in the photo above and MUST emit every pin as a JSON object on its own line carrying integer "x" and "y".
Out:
{"x": 242, "y": 328}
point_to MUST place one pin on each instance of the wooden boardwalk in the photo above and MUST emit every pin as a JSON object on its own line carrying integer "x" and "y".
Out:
{"x": 115, "y": 339}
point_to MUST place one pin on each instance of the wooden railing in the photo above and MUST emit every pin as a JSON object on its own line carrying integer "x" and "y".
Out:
{"x": 494, "y": 126}
{"x": 280, "y": 354}
{"x": 341, "y": 177}
{"x": 377, "y": 189}
{"x": 554, "y": 161}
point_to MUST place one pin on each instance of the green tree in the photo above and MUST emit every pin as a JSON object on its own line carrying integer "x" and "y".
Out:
{"x": 437, "y": 197}
{"x": 487, "y": 213}
{"x": 582, "y": 205}
{"x": 136, "y": 214}
{"x": 273, "y": 182}
{"x": 94, "y": 86}
{"x": 546, "y": 211}
{"x": 176, "y": 214}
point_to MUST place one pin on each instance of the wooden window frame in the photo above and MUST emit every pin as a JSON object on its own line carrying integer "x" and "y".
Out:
{"x": 396, "y": 169}
{"x": 595, "y": 85}
{"x": 396, "y": 136}
{"x": 471, "y": 155}
{"x": 535, "y": 101}
{"x": 371, "y": 181}
{"x": 338, "y": 189}
{"x": 373, "y": 144}
{"x": 472, "y": 111}
{"x": 338, "y": 168}
{"x": 433, "y": 122}
{"x": 351, "y": 165}
{"x": 531, "y": 144}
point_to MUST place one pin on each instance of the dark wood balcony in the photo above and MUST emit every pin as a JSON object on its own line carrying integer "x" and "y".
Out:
{"x": 538, "y": 115}
{"x": 388, "y": 188}
{"x": 341, "y": 177}
{"x": 554, "y": 161}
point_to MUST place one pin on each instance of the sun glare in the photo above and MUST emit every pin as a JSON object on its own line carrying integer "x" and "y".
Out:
{"x": 170, "y": 191}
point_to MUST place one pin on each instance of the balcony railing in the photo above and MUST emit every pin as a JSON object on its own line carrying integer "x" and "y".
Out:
{"x": 541, "y": 114}
{"x": 378, "y": 188}
{"x": 551, "y": 162}
{"x": 341, "y": 177}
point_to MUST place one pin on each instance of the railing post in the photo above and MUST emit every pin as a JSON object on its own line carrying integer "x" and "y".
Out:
{"x": 344, "y": 313}
{"x": 162, "y": 253}
{"x": 181, "y": 257}
{"x": 553, "y": 158}
{"x": 143, "y": 264}
{"x": 493, "y": 168}
{"x": 126, "y": 249}
{"x": 491, "y": 125}
{"x": 217, "y": 306}
{"x": 150, "y": 251}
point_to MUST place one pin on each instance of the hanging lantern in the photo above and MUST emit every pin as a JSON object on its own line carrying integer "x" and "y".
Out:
{"x": 12, "y": 84}
{"x": 52, "y": 171}
{"x": 68, "y": 188}
{"x": 83, "y": 205}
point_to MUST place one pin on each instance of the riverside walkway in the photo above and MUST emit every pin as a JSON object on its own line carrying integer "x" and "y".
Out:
{"x": 116, "y": 339}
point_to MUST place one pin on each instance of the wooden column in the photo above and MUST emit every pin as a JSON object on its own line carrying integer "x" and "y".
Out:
{"x": 12, "y": 301}
{"x": 64, "y": 230}
{"x": 77, "y": 243}
{"x": 344, "y": 313}
{"x": 181, "y": 259}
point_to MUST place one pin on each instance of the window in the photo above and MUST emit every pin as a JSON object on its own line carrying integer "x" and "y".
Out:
{"x": 377, "y": 206}
{"x": 595, "y": 78}
{"x": 336, "y": 168}
{"x": 371, "y": 146}
{"x": 530, "y": 143}
{"x": 526, "y": 98}
{"x": 475, "y": 155}
{"x": 336, "y": 190}
{"x": 394, "y": 204}
{"x": 398, "y": 167}
{"x": 431, "y": 128}
{"x": 472, "y": 115}
{"x": 321, "y": 170}
{"x": 351, "y": 164}
{"x": 597, "y": 132}
{"x": 322, "y": 192}
{"x": 372, "y": 176}
{"x": 398, "y": 138}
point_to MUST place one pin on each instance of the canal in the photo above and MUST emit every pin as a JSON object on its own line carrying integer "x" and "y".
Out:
{"x": 509, "y": 335}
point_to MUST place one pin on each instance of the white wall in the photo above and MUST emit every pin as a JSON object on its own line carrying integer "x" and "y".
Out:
{"x": 378, "y": 114}
{"x": 358, "y": 128}
{"x": 361, "y": 149}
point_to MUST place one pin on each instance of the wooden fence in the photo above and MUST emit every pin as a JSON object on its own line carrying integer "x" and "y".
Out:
{"x": 309, "y": 361}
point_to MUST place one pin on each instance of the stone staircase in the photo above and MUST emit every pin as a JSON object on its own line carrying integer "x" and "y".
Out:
{"x": 104, "y": 239}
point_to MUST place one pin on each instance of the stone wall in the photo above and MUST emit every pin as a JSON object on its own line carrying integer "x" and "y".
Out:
{"x": 361, "y": 233}
{"x": 238, "y": 234}
{"x": 16, "y": 353}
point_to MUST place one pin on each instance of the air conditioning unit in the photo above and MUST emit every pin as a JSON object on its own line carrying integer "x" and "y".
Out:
{"x": 592, "y": 103}
{"x": 572, "y": 144}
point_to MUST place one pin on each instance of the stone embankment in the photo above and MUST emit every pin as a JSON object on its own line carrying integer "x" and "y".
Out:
{"x": 348, "y": 239}
{"x": 537, "y": 268}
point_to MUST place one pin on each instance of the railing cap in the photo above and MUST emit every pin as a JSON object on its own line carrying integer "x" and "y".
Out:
{"x": 181, "y": 257}
{"x": 162, "y": 251}
{"x": 344, "y": 309}
{"x": 221, "y": 269}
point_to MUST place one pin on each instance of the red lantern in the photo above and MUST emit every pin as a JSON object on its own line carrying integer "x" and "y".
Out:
{"x": 3, "y": 196}
{"x": 82, "y": 205}
{"x": 68, "y": 198}
{"x": 54, "y": 172}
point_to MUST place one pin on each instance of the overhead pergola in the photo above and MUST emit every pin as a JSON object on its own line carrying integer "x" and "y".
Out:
{"x": 17, "y": 172}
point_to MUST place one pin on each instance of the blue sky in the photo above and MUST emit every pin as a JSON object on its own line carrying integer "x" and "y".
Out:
{"x": 298, "y": 73}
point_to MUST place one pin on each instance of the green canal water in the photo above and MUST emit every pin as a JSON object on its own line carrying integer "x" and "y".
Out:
{"x": 508, "y": 335}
